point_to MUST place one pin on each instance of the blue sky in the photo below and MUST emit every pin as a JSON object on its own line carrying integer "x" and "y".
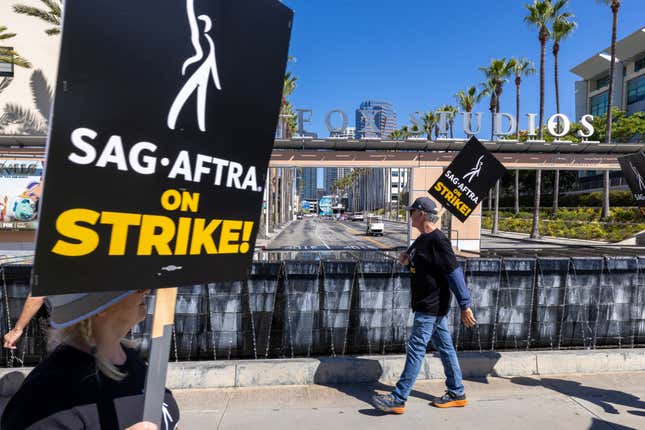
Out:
{"x": 416, "y": 54}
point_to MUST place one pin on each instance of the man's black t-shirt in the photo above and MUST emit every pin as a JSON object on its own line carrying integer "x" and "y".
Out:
{"x": 431, "y": 260}
{"x": 65, "y": 392}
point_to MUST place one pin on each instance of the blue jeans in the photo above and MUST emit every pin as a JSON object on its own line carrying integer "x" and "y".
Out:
{"x": 428, "y": 328}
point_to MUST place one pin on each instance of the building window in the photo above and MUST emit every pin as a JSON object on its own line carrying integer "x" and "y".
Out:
{"x": 6, "y": 61}
{"x": 636, "y": 90}
{"x": 640, "y": 64}
{"x": 602, "y": 82}
{"x": 599, "y": 104}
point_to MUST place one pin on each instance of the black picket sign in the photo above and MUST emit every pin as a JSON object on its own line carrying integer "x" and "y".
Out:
{"x": 466, "y": 181}
{"x": 163, "y": 126}
{"x": 633, "y": 167}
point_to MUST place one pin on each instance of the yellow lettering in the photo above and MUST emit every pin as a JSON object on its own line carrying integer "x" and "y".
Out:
{"x": 230, "y": 233}
{"x": 149, "y": 237}
{"x": 203, "y": 236}
{"x": 67, "y": 225}
{"x": 183, "y": 233}
{"x": 171, "y": 200}
{"x": 189, "y": 201}
{"x": 120, "y": 225}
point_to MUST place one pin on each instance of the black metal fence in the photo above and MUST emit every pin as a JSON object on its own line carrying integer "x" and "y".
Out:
{"x": 318, "y": 307}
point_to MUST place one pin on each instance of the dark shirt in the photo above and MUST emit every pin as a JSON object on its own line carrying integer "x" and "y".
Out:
{"x": 65, "y": 392}
{"x": 431, "y": 261}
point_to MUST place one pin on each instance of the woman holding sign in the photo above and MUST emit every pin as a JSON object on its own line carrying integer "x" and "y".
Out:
{"x": 93, "y": 378}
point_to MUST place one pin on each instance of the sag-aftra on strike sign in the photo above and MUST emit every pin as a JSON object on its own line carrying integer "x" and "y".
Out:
{"x": 153, "y": 176}
{"x": 463, "y": 185}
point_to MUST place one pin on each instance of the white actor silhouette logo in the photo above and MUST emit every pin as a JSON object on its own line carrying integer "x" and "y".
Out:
{"x": 200, "y": 78}
{"x": 474, "y": 172}
{"x": 639, "y": 178}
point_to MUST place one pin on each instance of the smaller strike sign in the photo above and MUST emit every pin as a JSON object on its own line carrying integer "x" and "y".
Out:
{"x": 465, "y": 182}
{"x": 634, "y": 170}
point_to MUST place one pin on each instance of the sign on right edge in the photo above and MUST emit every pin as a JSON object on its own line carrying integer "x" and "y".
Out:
{"x": 465, "y": 182}
{"x": 634, "y": 170}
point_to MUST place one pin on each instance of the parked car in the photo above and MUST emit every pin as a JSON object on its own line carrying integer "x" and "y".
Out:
{"x": 374, "y": 226}
{"x": 357, "y": 216}
{"x": 299, "y": 215}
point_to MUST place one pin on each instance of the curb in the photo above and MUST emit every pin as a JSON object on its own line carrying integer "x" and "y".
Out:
{"x": 365, "y": 369}
{"x": 385, "y": 368}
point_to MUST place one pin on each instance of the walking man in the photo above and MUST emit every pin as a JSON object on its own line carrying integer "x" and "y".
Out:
{"x": 435, "y": 272}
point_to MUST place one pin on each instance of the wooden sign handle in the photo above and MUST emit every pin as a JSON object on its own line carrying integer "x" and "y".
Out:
{"x": 162, "y": 323}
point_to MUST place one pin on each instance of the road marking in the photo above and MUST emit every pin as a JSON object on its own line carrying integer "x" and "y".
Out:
{"x": 320, "y": 238}
{"x": 381, "y": 245}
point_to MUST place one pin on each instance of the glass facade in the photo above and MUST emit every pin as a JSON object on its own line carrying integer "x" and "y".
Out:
{"x": 375, "y": 119}
{"x": 602, "y": 82}
{"x": 640, "y": 64}
{"x": 598, "y": 104}
{"x": 636, "y": 90}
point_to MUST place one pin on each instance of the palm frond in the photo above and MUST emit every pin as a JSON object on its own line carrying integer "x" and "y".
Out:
{"x": 42, "y": 93}
{"x": 36, "y": 13}
{"x": 29, "y": 121}
{"x": 4, "y": 83}
{"x": 9, "y": 56}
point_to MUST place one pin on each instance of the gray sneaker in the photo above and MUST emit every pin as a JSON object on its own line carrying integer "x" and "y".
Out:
{"x": 387, "y": 403}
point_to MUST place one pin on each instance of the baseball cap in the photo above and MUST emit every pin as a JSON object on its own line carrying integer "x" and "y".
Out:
{"x": 424, "y": 204}
{"x": 70, "y": 309}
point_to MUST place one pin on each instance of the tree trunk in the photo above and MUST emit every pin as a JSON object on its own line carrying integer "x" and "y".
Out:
{"x": 614, "y": 8}
{"x": 535, "y": 230}
{"x": 398, "y": 197}
{"x": 517, "y": 192}
{"x": 605, "y": 195}
{"x": 492, "y": 116}
{"x": 556, "y": 48}
{"x": 542, "y": 49}
{"x": 556, "y": 189}
{"x": 496, "y": 214}
{"x": 517, "y": 106}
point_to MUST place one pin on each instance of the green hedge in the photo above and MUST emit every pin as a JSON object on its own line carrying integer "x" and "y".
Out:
{"x": 582, "y": 223}
{"x": 616, "y": 198}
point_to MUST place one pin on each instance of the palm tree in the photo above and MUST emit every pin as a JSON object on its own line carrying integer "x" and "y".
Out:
{"x": 517, "y": 192}
{"x": 615, "y": 6}
{"x": 469, "y": 98}
{"x": 488, "y": 87}
{"x": 562, "y": 27}
{"x": 452, "y": 113}
{"x": 498, "y": 71}
{"x": 9, "y": 56}
{"x": 50, "y": 15}
{"x": 429, "y": 124}
{"x": 535, "y": 230}
{"x": 541, "y": 14}
{"x": 522, "y": 67}
{"x": 286, "y": 111}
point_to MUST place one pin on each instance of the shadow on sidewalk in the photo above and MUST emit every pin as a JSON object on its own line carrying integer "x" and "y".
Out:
{"x": 359, "y": 378}
{"x": 602, "y": 397}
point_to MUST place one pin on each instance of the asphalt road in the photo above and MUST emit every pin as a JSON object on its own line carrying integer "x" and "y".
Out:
{"x": 319, "y": 234}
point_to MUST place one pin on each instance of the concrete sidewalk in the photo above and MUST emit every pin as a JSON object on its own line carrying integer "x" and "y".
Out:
{"x": 595, "y": 402}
